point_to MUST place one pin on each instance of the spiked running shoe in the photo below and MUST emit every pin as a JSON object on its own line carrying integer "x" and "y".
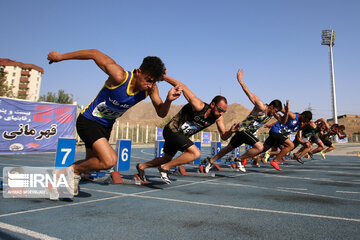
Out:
{"x": 141, "y": 173}
{"x": 298, "y": 159}
{"x": 164, "y": 174}
{"x": 208, "y": 165}
{"x": 266, "y": 157}
{"x": 240, "y": 166}
{"x": 323, "y": 155}
{"x": 275, "y": 165}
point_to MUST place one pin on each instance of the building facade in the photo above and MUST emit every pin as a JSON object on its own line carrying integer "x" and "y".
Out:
{"x": 23, "y": 78}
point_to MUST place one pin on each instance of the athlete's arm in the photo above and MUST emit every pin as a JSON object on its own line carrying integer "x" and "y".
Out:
{"x": 259, "y": 105}
{"x": 116, "y": 73}
{"x": 323, "y": 121}
{"x": 195, "y": 102}
{"x": 222, "y": 130}
{"x": 283, "y": 119}
{"x": 162, "y": 108}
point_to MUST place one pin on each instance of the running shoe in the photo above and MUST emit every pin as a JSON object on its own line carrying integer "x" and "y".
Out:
{"x": 323, "y": 155}
{"x": 208, "y": 165}
{"x": 311, "y": 156}
{"x": 298, "y": 159}
{"x": 240, "y": 166}
{"x": 164, "y": 174}
{"x": 266, "y": 157}
{"x": 73, "y": 179}
{"x": 244, "y": 162}
{"x": 275, "y": 165}
{"x": 141, "y": 173}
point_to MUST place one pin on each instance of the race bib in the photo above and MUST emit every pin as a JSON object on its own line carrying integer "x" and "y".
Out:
{"x": 190, "y": 128}
{"x": 104, "y": 111}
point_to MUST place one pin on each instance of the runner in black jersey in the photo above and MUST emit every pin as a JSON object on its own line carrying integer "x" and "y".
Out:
{"x": 325, "y": 136}
{"x": 259, "y": 115}
{"x": 308, "y": 136}
{"x": 192, "y": 118}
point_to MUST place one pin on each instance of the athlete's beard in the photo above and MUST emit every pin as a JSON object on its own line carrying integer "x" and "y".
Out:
{"x": 212, "y": 113}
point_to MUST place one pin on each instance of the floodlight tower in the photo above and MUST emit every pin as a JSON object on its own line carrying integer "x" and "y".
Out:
{"x": 328, "y": 38}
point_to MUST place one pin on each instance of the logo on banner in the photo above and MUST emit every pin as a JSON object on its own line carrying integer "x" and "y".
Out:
{"x": 36, "y": 182}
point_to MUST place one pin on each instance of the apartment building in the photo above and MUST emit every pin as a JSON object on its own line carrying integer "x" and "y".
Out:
{"x": 24, "y": 78}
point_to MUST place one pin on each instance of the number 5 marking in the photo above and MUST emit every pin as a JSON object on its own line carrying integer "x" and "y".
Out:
{"x": 68, "y": 151}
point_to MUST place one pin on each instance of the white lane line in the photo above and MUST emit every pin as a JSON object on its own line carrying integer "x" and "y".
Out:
{"x": 239, "y": 208}
{"x": 27, "y": 232}
{"x": 119, "y": 195}
{"x": 296, "y": 189}
{"x": 142, "y": 151}
{"x": 305, "y": 178}
{"x": 348, "y": 192}
{"x": 60, "y": 206}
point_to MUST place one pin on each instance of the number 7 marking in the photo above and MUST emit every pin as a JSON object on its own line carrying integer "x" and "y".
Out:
{"x": 68, "y": 151}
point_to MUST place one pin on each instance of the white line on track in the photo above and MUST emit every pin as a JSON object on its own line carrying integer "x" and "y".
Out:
{"x": 60, "y": 206}
{"x": 27, "y": 232}
{"x": 305, "y": 178}
{"x": 90, "y": 201}
{"x": 272, "y": 189}
{"x": 348, "y": 192}
{"x": 296, "y": 189}
{"x": 236, "y": 207}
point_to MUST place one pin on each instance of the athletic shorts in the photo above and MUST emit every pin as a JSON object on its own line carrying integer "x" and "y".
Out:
{"x": 275, "y": 139}
{"x": 296, "y": 142}
{"x": 175, "y": 141}
{"x": 315, "y": 139}
{"x": 326, "y": 142}
{"x": 90, "y": 131}
{"x": 242, "y": 137}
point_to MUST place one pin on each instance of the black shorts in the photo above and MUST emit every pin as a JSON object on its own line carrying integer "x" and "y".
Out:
{"x": 90, "y": 131}
{"x": 326, "y": 142}
{"x": 242, "y": 137}
{"x": 175, "y": 141}
{"x": 275, "y": 139}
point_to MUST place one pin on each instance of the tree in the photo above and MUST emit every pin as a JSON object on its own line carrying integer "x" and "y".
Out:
{"x": 5, "y": 89}
{"x": 60, "y": 97}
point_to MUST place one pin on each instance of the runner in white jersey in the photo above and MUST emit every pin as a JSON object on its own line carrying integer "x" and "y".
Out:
{"x": 259, "y": 115}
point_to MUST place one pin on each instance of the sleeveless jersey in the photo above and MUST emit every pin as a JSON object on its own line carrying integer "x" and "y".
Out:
{"x": 112, "y": 102}
{"x": 289, "y": 127}
{"x": 189, "y": 122}
{"x": 253, "y": 122}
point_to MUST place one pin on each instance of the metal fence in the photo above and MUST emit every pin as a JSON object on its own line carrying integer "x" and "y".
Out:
{"x": 144, "y": 134}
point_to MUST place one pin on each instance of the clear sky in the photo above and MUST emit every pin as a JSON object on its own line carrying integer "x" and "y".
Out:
{"x": 202, "y": 42}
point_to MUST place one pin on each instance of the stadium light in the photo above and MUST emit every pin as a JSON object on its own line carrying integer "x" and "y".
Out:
{"x": 328, "y": 38}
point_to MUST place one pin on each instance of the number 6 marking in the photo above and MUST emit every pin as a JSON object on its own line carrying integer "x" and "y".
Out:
{"x": 124, "y": 154}
{"x": 68, "y": 151}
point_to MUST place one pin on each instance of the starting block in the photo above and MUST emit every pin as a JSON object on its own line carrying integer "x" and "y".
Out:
{"x": 182, "y": 171}
{"x": 123, "y": 151}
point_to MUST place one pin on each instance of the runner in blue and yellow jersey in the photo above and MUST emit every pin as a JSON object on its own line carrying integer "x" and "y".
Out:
{"x": 122, "y": 90}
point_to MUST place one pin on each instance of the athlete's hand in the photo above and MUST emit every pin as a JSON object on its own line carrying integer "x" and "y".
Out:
{"x": 54, "y": 56}
{"x": 240, "y": 74}
{"x": 286, "y": 106}
{"x": 235, "y": 127}
{"x": 174, "y": 93}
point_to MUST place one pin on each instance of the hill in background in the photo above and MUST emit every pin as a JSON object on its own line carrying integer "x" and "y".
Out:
{"x": 144, "y": 114}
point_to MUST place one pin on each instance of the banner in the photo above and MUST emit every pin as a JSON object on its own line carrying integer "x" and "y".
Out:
{"x": 206, "y": 137}
{"x": 32, "y": 126}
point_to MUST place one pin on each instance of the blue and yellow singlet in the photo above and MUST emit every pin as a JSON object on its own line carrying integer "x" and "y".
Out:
{"x": 112, "y": 102}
